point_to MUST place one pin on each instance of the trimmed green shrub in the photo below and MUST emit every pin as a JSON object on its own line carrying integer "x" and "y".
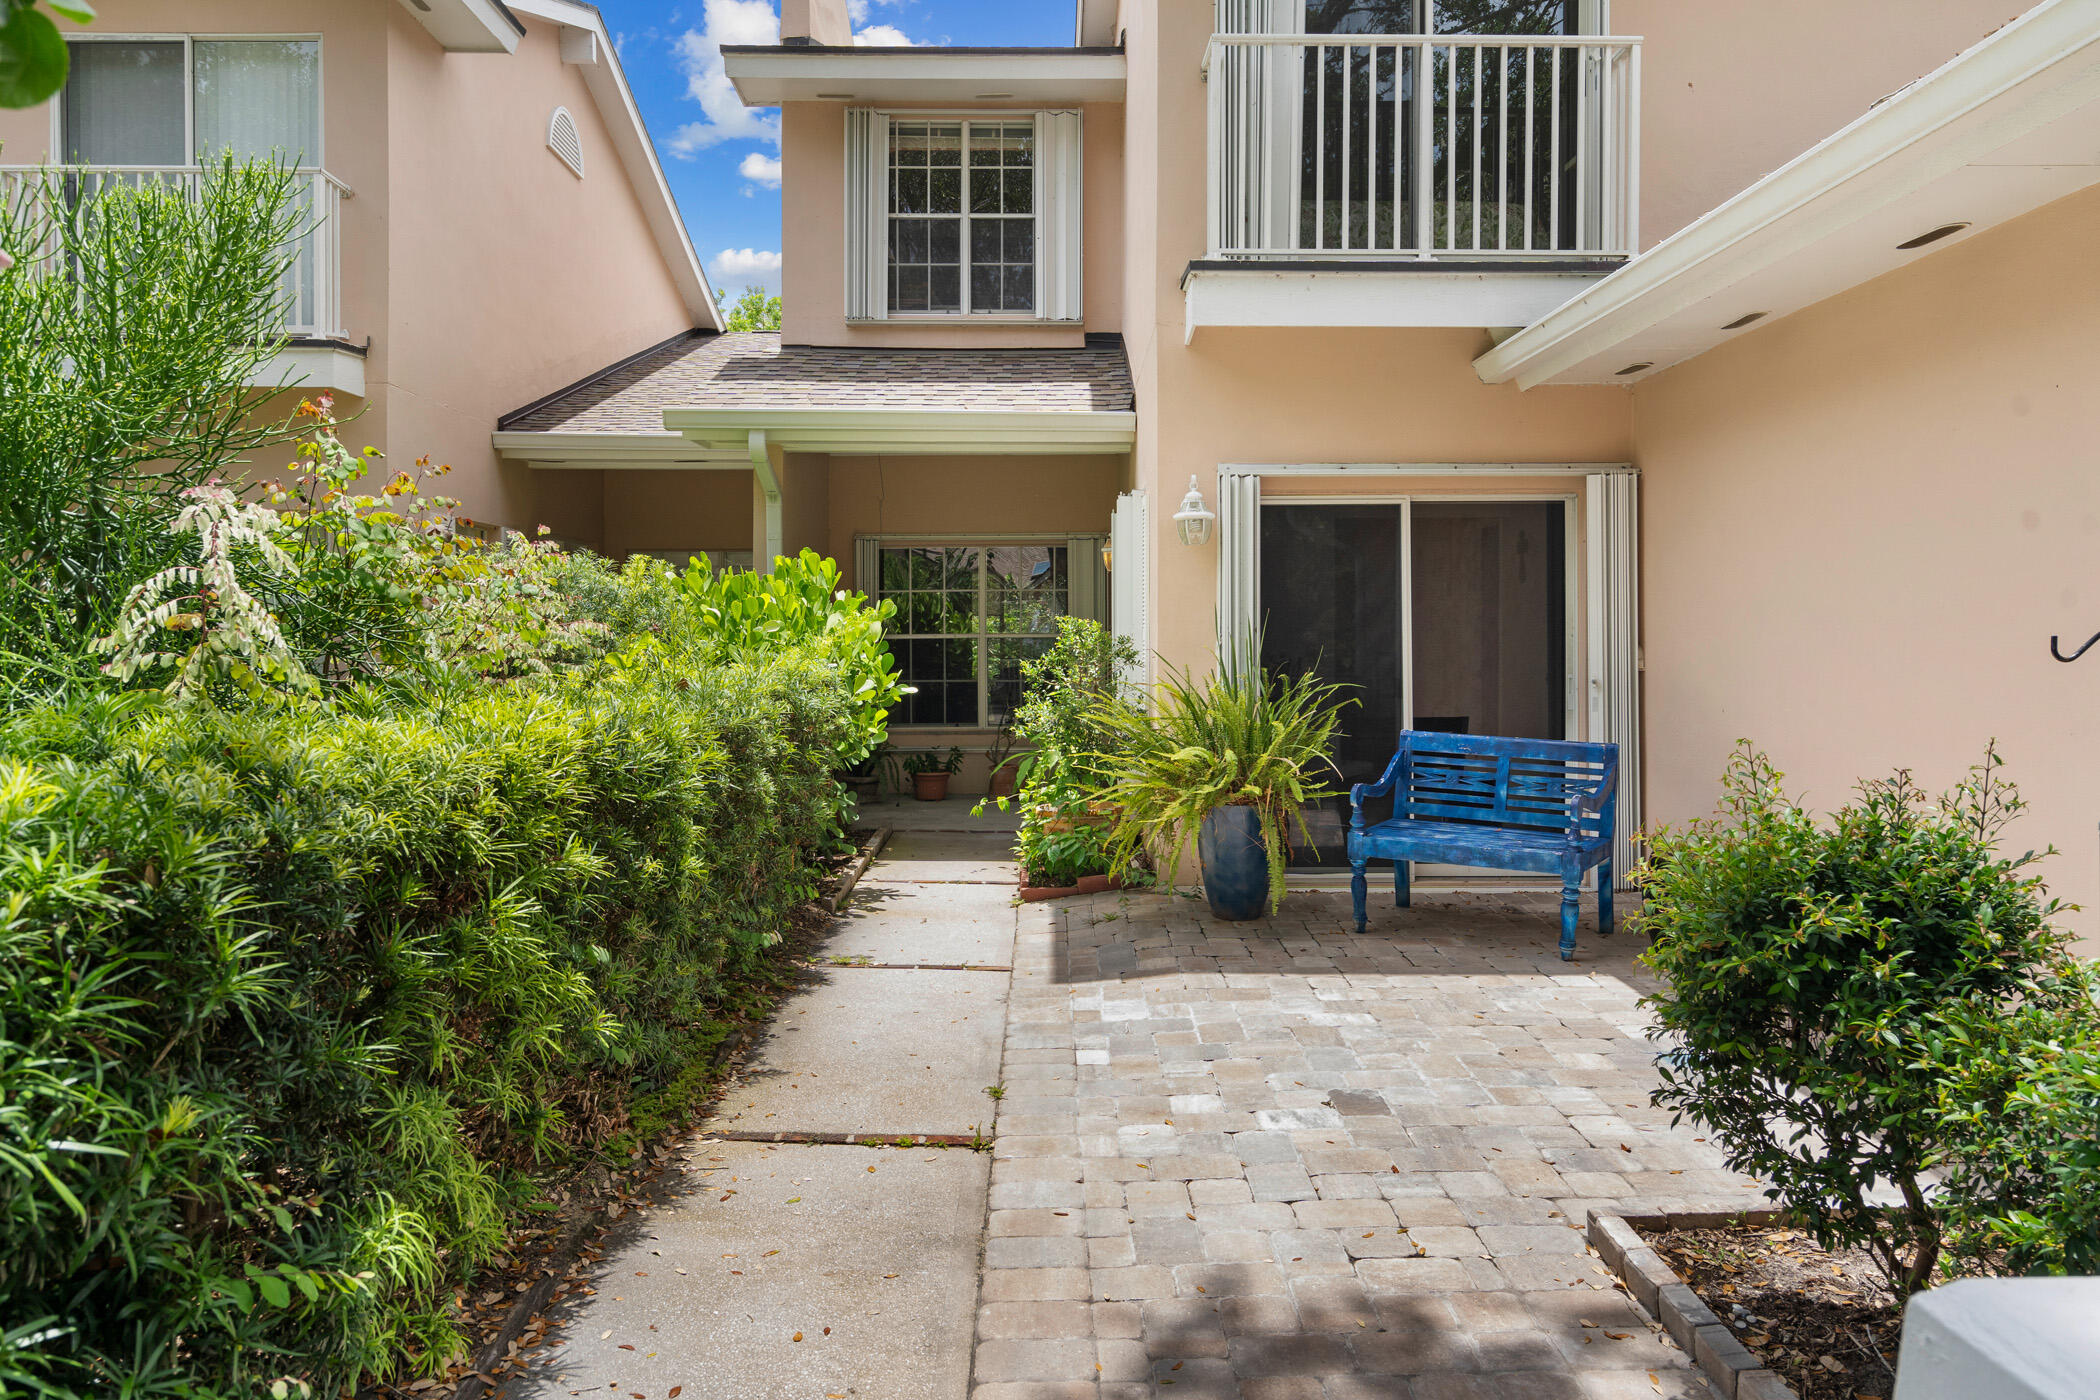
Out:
{"x": 297, "y": 1001}
{"x": 2021, "y": 1099}
{"x": 1810, "y": 969}
{"x": 1059, "y": 776}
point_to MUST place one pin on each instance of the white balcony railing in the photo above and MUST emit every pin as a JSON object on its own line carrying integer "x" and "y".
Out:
{"x": 1431, "y": 147}
{"x": 313, "y": 283}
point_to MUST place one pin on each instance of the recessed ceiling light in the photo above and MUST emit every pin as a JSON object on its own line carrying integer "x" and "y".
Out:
{"x": 835, "y": 96}
{"x": 1636, "y": 369}
{"x": 1943, "y": 231}
{"x": 1741, "y": 321}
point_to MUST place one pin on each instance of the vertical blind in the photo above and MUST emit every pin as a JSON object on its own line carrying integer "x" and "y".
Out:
{"x": 258, "y": 97}
{"x": 133, "y": 103}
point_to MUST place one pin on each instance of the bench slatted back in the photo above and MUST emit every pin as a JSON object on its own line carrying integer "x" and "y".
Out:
{"x": 1501, "y": 782}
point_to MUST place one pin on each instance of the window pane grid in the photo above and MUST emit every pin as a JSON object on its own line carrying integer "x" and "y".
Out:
{"x": 968, "y": 616}
{"x": 962, "y": 212}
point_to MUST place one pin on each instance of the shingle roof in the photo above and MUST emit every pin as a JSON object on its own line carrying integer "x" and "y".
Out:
{"x": 757, "y": 371}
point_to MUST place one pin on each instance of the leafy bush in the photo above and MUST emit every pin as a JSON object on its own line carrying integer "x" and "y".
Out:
{"x": 132, "y": 326}
{"x": 1809, "y": 971}
{"x": 1058, "y": 777}
{"x": 2020, "y": 1095}
{"x": 1240, "y": 737}
{"x": 296, "y": 1001}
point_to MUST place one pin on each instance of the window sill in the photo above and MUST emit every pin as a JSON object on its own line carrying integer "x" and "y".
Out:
{"x": 958, "y": 322}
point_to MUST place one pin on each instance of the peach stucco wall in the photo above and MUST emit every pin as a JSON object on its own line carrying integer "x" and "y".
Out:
{"x": 1285, "y": 396}
{"x": 1862, "y": 524}
{"x": 510, "y": 276}
{"x": 813, "y": 240}
{"x": 1732, "y": 92}
{"x": 482, "y": 271}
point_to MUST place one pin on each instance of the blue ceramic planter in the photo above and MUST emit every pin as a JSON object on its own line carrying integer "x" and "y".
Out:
{"x": 1235, "y": 864}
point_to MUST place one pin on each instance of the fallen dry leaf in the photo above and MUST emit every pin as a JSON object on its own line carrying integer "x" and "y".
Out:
{"x": 797, "y": 1337}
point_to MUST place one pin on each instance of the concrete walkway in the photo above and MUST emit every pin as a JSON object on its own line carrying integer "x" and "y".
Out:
{"x": 1268, "y": 1161}
{"x": 783, "y": 1269}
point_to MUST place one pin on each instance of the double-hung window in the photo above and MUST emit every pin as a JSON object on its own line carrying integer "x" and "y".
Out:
{"x": 964, "y": 216}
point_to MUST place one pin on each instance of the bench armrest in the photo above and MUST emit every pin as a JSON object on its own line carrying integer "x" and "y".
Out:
{"x": 1597, "y": 800}
{"x": 1380, "y": 788}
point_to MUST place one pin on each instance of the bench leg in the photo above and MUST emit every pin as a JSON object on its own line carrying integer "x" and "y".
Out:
{"x": 1402, "y": 894}
{"x": 1570, "y": 907}
{"x": 1359, "y": 891}
{"x": 1604, "y": 883}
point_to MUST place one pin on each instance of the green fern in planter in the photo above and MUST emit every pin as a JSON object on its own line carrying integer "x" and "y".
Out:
{"x": 1240, "y": 737}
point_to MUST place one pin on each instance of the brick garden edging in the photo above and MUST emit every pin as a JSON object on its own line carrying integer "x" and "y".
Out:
{"x": 1732, "y": 1367}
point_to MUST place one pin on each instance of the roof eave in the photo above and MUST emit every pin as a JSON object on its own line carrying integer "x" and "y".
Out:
{"x": 771, "y": 76}
{"x": 880, "y": 431}
{"x": 1969, "y": 106}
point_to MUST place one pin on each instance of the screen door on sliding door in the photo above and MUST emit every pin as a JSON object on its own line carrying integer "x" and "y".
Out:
{"x": 1433, "y": 614}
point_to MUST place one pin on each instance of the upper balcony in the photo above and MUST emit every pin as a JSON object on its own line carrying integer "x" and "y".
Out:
{"x": 1458, "y": 179}
{"x": 319, "y": 353}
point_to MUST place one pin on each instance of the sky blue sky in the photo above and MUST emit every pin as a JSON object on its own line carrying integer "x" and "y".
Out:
{"x": 722, "y": 160}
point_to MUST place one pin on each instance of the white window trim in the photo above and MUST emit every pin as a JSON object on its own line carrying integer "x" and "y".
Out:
{"x": 315, "y": 160}
{"x": 1071, "y": 544}
{"x": 1035, "y": 217}
{"x": 874, "y": 240}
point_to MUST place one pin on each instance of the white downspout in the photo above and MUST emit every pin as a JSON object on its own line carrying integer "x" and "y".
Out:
{"x": 768, "y": 482}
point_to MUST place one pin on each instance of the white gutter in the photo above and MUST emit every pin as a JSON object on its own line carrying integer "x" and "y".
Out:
{"x": 876, "y": 431}
{"x": 1879, "y": 158}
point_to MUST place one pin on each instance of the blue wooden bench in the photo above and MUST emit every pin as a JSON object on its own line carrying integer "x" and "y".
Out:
{"x": 1507, "y": 804}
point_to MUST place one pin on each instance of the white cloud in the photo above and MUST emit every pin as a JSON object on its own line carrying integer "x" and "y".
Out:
{"x": 744, "y": 262}
{"x": 724, "y": 117}
{"x": 734, "y": 269}
{"x": 761, "y": 169}
{"x": 699, "y": 54}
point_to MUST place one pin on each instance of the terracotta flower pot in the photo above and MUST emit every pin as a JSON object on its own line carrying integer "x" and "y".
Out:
{"x": 1004, "y": 783}
{"x": 1096, "y": 884}
{"x": 930, "y": 787}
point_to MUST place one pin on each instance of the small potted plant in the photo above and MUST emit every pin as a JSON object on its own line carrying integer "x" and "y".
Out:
{"x": 1230, "y": 762}
{"x": 930, "y": 772}
{"x": 1008, "y": 763}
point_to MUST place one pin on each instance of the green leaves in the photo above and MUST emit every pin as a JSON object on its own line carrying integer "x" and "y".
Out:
{"x": 1241, "y": 736}
{"x": 33, "y": 58}
{"x": 1809, "y": 966}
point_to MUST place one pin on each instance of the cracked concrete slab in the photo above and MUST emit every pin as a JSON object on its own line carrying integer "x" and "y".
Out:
{"x": 874, "y": 1050}
{"x": 783, "y": 1272}
{"x": 916, "y": 924}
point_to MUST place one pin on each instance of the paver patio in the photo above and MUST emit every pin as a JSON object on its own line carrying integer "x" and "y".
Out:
{"x": 1279, "y": 1161}
{"x": 1273, "y": 1161}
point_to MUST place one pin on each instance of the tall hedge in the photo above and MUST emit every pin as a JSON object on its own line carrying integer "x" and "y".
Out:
{"x": 295, "y": 1001}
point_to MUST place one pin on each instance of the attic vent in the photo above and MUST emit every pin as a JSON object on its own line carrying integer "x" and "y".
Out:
{"x": 564, "y": 140}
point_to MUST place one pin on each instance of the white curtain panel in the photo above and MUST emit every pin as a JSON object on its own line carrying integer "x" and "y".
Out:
{"x": 259, "y": 97}
{"x": 123, "y": 104}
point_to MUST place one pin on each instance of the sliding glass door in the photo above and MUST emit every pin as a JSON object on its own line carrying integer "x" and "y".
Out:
{"x": 1451, "y": 615}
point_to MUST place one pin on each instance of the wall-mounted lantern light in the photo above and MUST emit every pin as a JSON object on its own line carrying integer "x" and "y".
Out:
{"x": 1194, "y": 519}
{"x": 1108, "y": 556}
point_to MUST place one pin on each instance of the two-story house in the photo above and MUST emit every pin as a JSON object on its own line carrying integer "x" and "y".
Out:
{"x": 1617, "y": 369}
{"x": 488, "y": 218}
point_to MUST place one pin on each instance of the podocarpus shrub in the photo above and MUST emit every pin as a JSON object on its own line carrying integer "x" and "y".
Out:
{"x": 1810, "y": 971}
{"x": 297, "y": 1000}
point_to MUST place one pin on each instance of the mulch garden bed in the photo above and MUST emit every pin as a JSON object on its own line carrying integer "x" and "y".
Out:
{"x": 1825, "y": 1321}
